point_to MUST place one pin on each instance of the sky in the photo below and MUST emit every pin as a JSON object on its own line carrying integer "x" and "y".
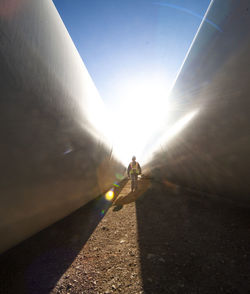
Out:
{"x": 133, "y": 50}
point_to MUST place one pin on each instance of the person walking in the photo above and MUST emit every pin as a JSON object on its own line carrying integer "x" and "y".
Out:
{"x": 134, "y": 170}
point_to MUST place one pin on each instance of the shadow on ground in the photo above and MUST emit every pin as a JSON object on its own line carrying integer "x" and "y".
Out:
{"x": 129, "y": 197}
{"x": 35, "y": 266}
{"x": 190, "y": 243}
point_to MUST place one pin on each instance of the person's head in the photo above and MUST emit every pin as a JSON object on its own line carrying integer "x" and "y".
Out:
{"x": 133, "y": 158}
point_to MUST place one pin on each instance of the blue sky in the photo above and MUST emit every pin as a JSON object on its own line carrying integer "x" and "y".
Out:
{"x": 120, "y": 41}
{"x": 133, "y": 50}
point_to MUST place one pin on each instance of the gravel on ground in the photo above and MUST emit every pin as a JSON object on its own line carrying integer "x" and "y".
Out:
{"x": 159, "y": 239}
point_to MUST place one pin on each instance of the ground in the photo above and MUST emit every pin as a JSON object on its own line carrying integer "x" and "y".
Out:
{"x": 160, "y": 239}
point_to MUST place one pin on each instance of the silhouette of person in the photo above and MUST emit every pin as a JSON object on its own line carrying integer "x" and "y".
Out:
{"x": 134, "y": 170}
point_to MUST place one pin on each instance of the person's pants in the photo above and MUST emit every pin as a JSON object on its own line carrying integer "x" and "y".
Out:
{"x": 133, "y": 181}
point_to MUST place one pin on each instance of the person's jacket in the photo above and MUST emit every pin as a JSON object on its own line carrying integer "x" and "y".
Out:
{"x": 134, "y": 168}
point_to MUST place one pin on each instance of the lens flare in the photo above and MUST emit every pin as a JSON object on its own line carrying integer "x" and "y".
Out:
{"x": 109, "y": 195}
{"x": 116, "y": 184}
{"x": 119, "y": 176}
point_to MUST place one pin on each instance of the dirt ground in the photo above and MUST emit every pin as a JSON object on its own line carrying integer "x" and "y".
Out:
{"x": 160, "y": 239}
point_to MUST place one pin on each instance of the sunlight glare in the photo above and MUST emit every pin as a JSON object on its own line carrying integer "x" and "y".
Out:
{"x": 142, "y": 110}
{"x": 172, "y": 132}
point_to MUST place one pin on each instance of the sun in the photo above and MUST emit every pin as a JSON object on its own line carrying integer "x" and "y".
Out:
{"x": 143, "y": 109}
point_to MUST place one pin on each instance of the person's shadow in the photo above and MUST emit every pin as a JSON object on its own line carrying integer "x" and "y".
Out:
{"x": 143, "y": 185}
